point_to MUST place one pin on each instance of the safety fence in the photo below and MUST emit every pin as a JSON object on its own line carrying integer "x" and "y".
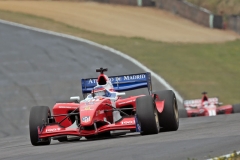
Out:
{"x": 234, "y": 23}
{"x": 192, "y": 12}
{"x": 129, "y": 2}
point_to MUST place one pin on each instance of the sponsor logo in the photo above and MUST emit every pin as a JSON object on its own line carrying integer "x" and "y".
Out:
{"x": 53, "y": 129}
{"x": 134, "y": 77}
{"x": 64, "y": 107}
{"x": 87, "y": 108}
{"x": 92, "y": 81}
{"x": 124, "y": 78}
{"x": 86, "y": 119}
{"x": 128, "y": 122}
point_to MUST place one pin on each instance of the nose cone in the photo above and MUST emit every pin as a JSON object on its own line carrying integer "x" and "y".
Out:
{"x": 87, "y": 113}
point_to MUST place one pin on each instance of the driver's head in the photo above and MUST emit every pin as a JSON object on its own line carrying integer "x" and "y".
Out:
{"x": 99, "y": 91}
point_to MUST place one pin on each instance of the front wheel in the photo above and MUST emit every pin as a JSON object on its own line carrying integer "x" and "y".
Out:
{"x": 147, "y": 115}
{"x": 38, "y": 116}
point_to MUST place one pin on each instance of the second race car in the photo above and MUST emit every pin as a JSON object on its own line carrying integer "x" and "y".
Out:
{"x": 206, "y": 107}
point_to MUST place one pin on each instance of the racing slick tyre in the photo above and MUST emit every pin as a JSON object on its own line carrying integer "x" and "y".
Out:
{"x": 168, "y": 119}
{"x": 147, "y": 115}
{"x": 182, "y": 113}
{"x": 38, "y": 116}
{"x": 236, "y": 108}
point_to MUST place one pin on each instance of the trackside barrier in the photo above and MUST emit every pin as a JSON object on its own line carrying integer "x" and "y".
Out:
{"x": 192, "y": 12}
{"x": 234, "y": 23}
{"x": 129, "y": 2}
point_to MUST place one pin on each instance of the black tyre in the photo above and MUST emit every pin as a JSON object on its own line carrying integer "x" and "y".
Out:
{"x": 168, "y": 119}
{"x": 38, "y": 114}
{"x": 236, "y": 108}
{"x": 182, "y": 112}
{"x": 147, "y": 115}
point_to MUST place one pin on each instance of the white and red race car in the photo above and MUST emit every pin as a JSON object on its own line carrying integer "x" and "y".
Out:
{"x": 206, "y": 107}
{"x": 103, "y": 110}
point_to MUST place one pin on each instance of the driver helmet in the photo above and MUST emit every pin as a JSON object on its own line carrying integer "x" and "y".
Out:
{"x": 100, "y": 91}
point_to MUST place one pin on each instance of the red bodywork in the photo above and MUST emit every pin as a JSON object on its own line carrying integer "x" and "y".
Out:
{"x": 95, "y": 116}
{"x": 206, "y": 107}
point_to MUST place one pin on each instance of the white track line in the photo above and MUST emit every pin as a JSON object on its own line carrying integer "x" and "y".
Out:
{"x": 227, "y": 156}
{"x": 159, "y": 78}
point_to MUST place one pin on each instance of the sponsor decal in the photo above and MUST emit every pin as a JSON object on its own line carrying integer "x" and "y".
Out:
{"x": 86, "y": 119}
{"x": 92, "y": 81}
{"x": 64, "y": 107}
{"x": 87, "y": 108}
{"x": 134, "y": 77}
{"x": 53, "y": 129}
{"x": 123, "y": 78}
{"x": 128, "y": 122}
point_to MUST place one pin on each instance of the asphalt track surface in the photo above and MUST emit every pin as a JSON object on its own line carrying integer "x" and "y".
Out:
{"x": 39, "y": 69}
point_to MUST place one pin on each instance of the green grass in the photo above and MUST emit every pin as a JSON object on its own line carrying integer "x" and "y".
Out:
{"x": 189, "y": 68}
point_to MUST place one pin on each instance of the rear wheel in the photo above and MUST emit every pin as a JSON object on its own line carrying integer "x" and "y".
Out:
{"x": 169, "y": 119}
{"x": 38, "y": 116}
{"x": 182, "y": 112}
{"x": 147, "y": 115}
{"x": 236, "y": 108}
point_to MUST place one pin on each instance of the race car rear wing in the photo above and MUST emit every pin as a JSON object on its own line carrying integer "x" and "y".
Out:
{"x": 197, "y": 102}
{"x": 122, "y": 83}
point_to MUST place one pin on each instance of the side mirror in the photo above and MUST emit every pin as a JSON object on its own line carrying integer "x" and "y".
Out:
{"x": 75, "y": 98}
{"x": 219, "y": 103}
{"x": 120, "y": 94}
